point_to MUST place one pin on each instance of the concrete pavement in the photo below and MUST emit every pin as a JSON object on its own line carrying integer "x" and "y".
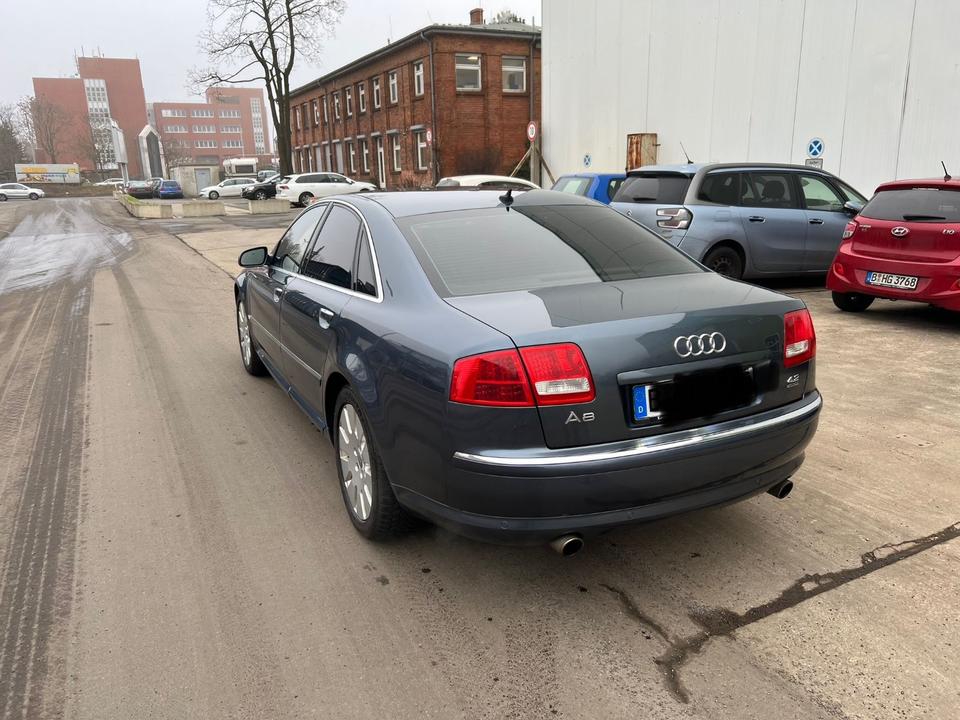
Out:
{"x": 174, "y": 545}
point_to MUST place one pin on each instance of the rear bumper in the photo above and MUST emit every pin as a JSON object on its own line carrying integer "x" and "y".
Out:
{"x": 937, "y": 284}
{"x": 538, "y": 494}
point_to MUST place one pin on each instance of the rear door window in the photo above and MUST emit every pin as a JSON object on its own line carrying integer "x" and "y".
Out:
{"x": 819, "y": 195}
{"x": 331, "y": 257}
{"x": 915, "y": 205}
{"x": 529, "y": 247}
{"x": 721, "y": 188}
{"x": 661, "y": 188}
{"x": 771, "y": 190}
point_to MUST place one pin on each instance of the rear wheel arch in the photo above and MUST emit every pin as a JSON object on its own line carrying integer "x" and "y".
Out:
{"x": 335, "y": 383}
{"x": 734, "y": 245}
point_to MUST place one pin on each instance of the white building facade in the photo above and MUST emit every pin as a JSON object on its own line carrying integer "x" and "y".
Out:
{"x": 876, "y": 81}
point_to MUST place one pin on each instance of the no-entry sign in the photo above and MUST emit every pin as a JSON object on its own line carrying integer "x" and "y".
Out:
{"x": 532, "y": 130}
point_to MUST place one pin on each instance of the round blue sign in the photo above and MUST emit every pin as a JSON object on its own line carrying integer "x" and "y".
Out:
{"x": 587, "y": 160}
{"x": 815, "y": 148}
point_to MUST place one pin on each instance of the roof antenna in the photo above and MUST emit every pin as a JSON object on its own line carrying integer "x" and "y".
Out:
{"x": 507, "y": 198}
{"x": 946, "y": 175}
{"x": 689, "y": 161}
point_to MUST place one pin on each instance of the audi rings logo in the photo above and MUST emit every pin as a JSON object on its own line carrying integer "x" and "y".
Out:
{"x": 697, "y": 345}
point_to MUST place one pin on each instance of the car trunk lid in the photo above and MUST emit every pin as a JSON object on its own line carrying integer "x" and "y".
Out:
{"x": 629, "y": 331}
{"x": 914, "y": 224}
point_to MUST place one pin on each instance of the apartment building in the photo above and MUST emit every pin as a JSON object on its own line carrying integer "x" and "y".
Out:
{"x": 445, "y": 100}
{"x": 233, "y": 122}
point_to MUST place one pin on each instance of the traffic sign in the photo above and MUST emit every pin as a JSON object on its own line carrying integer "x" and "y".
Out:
{"x": 429, "y": 136}
{"x": 815, "y": 147}
{"x": 587, "y": 160}
{"x": 532, "y": 130}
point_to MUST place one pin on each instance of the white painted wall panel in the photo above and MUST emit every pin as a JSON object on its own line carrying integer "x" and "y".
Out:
{"x": 735, "y": 80}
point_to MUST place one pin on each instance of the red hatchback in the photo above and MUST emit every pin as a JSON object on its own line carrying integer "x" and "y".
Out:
{"x": 903, "y": 245}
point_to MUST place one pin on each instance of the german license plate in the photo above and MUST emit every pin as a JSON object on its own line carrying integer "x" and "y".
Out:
{"x": 903, "y": 282}
{"x": 641, "y": 404}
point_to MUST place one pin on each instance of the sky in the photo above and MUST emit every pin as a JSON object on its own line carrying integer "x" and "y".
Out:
{"x": 164, "y": 35}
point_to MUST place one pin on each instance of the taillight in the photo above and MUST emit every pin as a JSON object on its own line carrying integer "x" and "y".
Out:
{"x": 495, "y": 378}
{"x": 538, "y": 375}
{"x": 283, "y": 187}
{"x": 799, "y": 338}
{"x": 849, "y": 230}
{"x": 675, "y": 218}
{"x": 559, "y": 374}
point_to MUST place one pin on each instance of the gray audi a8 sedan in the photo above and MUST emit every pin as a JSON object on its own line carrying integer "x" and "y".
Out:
{"x": 525, "y": 367}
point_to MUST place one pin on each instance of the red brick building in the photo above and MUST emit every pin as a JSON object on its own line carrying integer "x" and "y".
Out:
{"x": 106, "y": 88}
{"x": 234, "y": 122}
{"x": 445, "y": 100}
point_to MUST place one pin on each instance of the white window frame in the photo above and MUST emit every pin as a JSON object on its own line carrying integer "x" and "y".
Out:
{"x": 420, "y": 136}
{"x": 457, "y": 65}
{"x": 504, "y": 71}
{"x": 377, "y": 97}
{"x": 393, "y": 83}
{"x": 418, "y": 75}
{"x": 362, "y": 97}
{"x": 326, "y": 115}
{"x": 352, "y": 153}
{"x": 348, "y": 100}
{"x": 296, "y": 112}
{"x": 396, "y": 152}
{"x": 316, "y": 112}
{"x": 336, "y": 105}
{"x": 365, "y": 154}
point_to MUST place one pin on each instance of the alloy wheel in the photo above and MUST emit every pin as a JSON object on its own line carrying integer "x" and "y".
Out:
{"x": 246, "y": 346}
{"x": 355, "y": 465}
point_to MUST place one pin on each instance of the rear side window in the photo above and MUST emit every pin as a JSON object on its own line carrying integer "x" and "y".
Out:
{"x": 366, "y": 281}
{"x": 331, "y": 257}
{"x": 492, "y": 250}
{"x": 915, "y": 205}
{"x": 667, "y": 189}
{"x": 573, "y": 185}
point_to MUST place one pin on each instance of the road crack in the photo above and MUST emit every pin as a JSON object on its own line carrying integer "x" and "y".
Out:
{"x": 721, "y": 622}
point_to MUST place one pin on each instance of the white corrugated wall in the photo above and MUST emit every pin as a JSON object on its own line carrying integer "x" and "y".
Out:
{"x": 738, "y": 80}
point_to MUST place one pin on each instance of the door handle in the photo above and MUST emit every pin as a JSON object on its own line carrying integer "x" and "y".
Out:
{"x": 326, "y": 313}
{"x": 816, "y": 221}
{"x": 756, "y": 218}
{"x": 325, "y": 317}
{"x": 277, "y": 294}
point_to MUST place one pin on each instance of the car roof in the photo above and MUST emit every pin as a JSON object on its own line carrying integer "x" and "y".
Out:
{"x": 421, "y": 202}
{"x": 907, "y": 184}
{"x": 468, "y": 179}
{"x": 691, "y": 169}
{"x": 593, "y": 175}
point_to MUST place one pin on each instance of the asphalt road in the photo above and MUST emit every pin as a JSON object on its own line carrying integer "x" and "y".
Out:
{"x": 174, "y": 545}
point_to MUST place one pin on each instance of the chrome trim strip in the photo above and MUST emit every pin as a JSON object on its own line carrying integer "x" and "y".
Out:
{"x": 302, "y": 364}
{"x": 645, "y": 446}
{"x": 265, "y": 331}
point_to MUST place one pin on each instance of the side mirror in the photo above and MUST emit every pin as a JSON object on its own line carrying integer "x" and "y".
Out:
{"x": 254, "y": 257}
{"x": 852, "y": 207}
{"x": 351, "y": 181}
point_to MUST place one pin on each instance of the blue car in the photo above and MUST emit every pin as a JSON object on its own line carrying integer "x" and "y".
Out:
{"x": 524, "y": 367}
{"x": 598, "y": 186}
{"x": 169, "y": 190}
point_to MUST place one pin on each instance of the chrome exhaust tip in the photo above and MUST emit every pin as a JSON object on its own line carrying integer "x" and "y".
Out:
{"x": 567, "y": 545}
{"x": 781, "y": 489}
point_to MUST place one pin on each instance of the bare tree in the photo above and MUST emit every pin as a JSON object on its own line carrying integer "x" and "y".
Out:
{"x": 44, "y": 123}
{"x": 507, "y": 16}
{"x": 11, "y": 149}
{"x": 95, "y": 144}
{"x": 260, "y": 40}
{"x": 176, "y": 152}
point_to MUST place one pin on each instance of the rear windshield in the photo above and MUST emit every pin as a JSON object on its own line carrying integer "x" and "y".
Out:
{"x": 915, "y": 205}
{"x": 492, "y": 250}
{"x": 573, "y": 185}
{"x": 664, "y": 189}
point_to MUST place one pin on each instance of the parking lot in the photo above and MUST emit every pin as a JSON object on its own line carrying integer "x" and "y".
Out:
{"x": 179, "y": 546}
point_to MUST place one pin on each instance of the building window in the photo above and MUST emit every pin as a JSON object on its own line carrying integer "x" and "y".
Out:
{"x": 204, "y": 128}
{"x": 514, "y": 74}
{"x": 232, "y": 143}
{"x": 348, "y": 96}
{"x": 173, "y": 113}
{"x": 468, "y": 72}
{"x": 352, "y": 152}
{"x": 362, "y": 96}
{"x": 394, "y": 90}
{"x": 202, "y": 113}
{"x": 365, "y": 152}
{"x": 206, "y": 143}
{"x": 376, "y": 93}
{"x": 316, "y": 113}
{"x": 229, "y": 113}
{"x": 421, "y": 138}
{"x": 336, "y": 106}
{"x": 175, "y": 128}
{"x": 296, "y": 114}
{"x": 326, "y": 117}
{"x": 396, "y": 152}
{"x": 418, "y": 78}
{"x": 231, "y": 129}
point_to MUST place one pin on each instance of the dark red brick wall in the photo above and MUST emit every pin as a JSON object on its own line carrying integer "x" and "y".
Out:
{"x": 475, "y": 131}
{"x": 69, "y": 95}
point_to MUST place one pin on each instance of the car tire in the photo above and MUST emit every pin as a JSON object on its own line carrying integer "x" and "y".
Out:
{"x": 3, "y": 198}
{"x": 725, "y": 261}
{"x": 260, "y": 195}
{"x": 852, "y": 302}
{"x": 34, "y": 196}
{"x": 213, "y": 195}
{"x": 305, "y": 198}
{"x": 367, "y": 494}
{"x": 248, "y": 346}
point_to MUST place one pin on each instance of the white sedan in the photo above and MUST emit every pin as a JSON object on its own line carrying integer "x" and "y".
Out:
{"x": 301, "y": 189}
{"x": 487, "y": 182}
{"x": 16, "y": 190}
{"x": 231, "y": 187}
